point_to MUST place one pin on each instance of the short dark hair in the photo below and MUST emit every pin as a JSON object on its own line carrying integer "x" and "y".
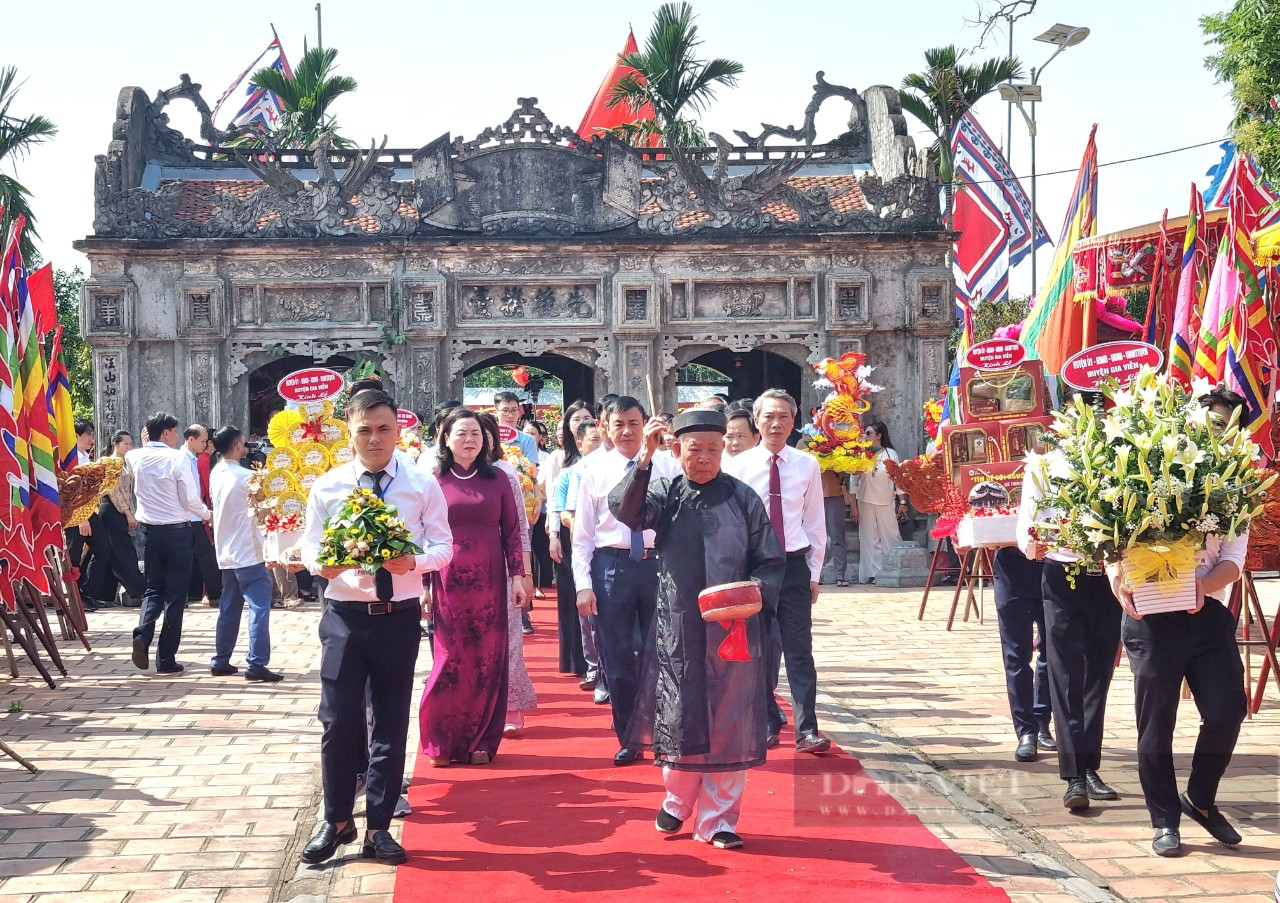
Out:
{"x": 445, "y": 456}
{"x": 193, "y": 431}
{"x": 505, "y": 396}
{"x": 160, "y": 423}
{"x": 367, "y": 399}
{"x": 605, "y": 401}
{"x": 83, "y": 426}
{"x": 120, "y": 434}
{"x": 582, "y": 430}
{"x": 226, "y": 437}
{"x": 665, "y": 416}
{"x": 622, "y": 404}
{"x": 742, "y": 414}
{"x": 365, "y": 385}
{"x": 1223, "y": 396}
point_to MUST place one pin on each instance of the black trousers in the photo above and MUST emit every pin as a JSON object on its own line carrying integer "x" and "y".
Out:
{"x": 168, "y": 565}
{"x": 362, "y": 653}
{"x": 789, "y": 637}
{"x": 540, "y": 552}
{"x": 206, "y": 578}
{"x": 626, "y": 599}
{"x": 115, "y": 559}
{"x": 1163, "y": 649}
{"x": 1083, "y": 626}
{"x": 1020, "y": 611}
{"x": 569, "y": 626}
{"x": 82, "y": 550}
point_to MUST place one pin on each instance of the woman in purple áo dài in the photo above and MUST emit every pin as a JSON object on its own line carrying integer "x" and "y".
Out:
{"x": 464, "y": 703}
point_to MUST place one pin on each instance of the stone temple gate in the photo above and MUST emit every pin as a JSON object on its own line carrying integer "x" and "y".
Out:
{"x": 208, "y": 263}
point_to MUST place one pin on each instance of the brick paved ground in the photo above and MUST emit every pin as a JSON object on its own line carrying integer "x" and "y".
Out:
{"x": 203, "y": 789}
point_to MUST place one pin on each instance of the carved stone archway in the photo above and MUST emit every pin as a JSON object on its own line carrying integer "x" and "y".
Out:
{"x": 579, "y": 379}
{"x": 797, "y": 348}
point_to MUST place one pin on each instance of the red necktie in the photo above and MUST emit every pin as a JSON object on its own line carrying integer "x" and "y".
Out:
{"x": 775, "y": 501}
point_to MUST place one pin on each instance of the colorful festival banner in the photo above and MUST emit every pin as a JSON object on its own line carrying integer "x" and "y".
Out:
{"x": 1193, "y": 285}
{"x": 1058, "y": 324}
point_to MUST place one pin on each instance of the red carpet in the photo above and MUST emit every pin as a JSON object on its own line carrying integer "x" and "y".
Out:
{"x": 551, "y": 818}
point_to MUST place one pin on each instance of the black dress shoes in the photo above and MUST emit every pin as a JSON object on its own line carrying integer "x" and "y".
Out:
{"x": 326, "y": 842}
{"x": 1215, "y": 822}
{"x": 141, "y": 654}
{"x": 1097, "y": 789}
{"x": 260, "y": 674}
{"x": 1045, "y": 741}
{"x": 771, "y": 740}
{"x": 628, "y": 756}
{"x": 222, "y": 670}
{"x": 667, "y": 823}
{"x": 169, "y": 668}
{"x": 1026, "y": 751}
{"x": 1076, "y": 798}
{"x": 1167, "y": 843}
{"x": 383, "y": 847}
{"x": 812, "y": 743}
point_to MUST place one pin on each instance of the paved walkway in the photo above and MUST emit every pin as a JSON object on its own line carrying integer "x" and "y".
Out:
{"x": 196, "y": 788}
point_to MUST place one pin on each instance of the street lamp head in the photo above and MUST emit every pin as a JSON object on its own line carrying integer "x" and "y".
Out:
{"x": 1020, "y": 94}
{"x": 1064, "y": 35}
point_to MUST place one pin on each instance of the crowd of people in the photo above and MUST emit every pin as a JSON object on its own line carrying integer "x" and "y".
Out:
{"x": 606, "y": 531}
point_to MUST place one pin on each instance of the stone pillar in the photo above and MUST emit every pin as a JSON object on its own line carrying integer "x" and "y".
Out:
{"x": 112, "y": 405}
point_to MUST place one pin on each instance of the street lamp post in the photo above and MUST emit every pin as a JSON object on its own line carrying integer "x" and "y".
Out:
{"x": 1062, "y": 36}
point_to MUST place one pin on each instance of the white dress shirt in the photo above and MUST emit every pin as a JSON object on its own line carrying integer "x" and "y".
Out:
{"x": 1217, "y": 549}
{"x": 1027, "y": 517}
{"x": 167, "y": 493}
{"x": 194, "y": 463}
{"x": 236, "y": 539}
{"x": 594, "y": 526}
{"x": 803, "y": 512}
{"x": 876, "y": 487}
{"x": 420, "y": 501}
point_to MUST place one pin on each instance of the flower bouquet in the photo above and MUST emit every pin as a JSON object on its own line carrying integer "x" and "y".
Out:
{"x": 1143, "y": 484}
{"x": 364, "y": 533}
{"x": 410, "y": 442}
{"x": 933, "y": 414}
{"x": 283, "y": 523}
{"x": 527, "y": 474}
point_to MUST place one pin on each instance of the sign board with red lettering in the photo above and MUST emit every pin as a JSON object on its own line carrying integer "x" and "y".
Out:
{"x": 507, "y": 434}
{"x": 995, "y": 354}
{"x": 1086, "y": 370}
{"x": 311, "y": 384}
{"x": 407, "y": 419}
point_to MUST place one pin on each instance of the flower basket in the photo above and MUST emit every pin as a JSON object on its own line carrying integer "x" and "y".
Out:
{"x": 364, "y": 533}
{"x": 1162, "y": 578}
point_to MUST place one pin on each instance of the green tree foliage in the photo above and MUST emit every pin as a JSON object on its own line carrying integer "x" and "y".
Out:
{"x": 1247, "y": 57}
{"x": 306, "y": 98}
{"x": 17, "y": 135}
{"x": 946, "y": 90}
{"x": 990, "y": 316}
{"x": 76, "y": 352}
{"x": 672, "y": 79}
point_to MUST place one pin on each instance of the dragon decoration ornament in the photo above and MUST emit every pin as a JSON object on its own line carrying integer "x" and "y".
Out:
{"x": 835, "y": 435}
{"x": 582, "y": 186}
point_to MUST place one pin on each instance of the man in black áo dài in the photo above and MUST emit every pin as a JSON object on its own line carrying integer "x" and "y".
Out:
{"x": 703, "y": 716}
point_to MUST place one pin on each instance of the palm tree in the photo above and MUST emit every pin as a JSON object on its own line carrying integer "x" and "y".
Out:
{"x": 669, "y": 79}
{"x": 941, "y": 95}
{"x": 306, "y": 98}
{"x": 17, "y": 134}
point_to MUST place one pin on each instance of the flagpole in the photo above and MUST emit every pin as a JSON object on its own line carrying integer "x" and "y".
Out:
{"x": 319, "y": 31}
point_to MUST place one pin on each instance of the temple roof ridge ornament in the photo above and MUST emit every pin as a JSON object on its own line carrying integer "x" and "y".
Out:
{"x": 527, "y": 125}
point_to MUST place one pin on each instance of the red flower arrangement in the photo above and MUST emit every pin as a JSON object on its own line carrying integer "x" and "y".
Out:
{"x": 286, "y": 523}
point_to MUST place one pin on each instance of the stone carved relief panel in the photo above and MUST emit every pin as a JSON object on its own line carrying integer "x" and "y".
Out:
{"x": 200, "y": 363}
{"x": 751, "y": 265}
{"x": 739, "y": 341}
{"x": 491, "y": 304}
{"x": 848, "y": 299}
{"x": 312, "y": 303}
{"x": 109, "y": 378}
{"x": 318, "y": 268}
{"x": 740, "y": 301}
{"x": 592, "y": 349}
{"x": 107, "y": 306}
{"x": 320, "y": 349}
{"x": 637, "y": 378}
{"x": 426, "y": 378}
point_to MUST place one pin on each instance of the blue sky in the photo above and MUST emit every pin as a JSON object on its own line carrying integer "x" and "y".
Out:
{"x": 429, "y": 68}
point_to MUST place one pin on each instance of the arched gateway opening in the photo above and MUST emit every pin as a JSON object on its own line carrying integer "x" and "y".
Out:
{"x": 264, "y": 400}
{"x": 568, "y": 380}
{"x": 746, "y": 374}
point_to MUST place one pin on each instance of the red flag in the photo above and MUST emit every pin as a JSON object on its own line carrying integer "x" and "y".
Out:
{"x": 40, "y": 288}
{"x": 600, "y": 117}
{"x": 1164, "y": 286}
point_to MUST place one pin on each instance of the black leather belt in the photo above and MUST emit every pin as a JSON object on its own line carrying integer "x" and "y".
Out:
{"x": 626, "y": 553}
{"x": 800, "y": 553}
{"x": 375, "y": 608}
{"x": 186, "y": 525}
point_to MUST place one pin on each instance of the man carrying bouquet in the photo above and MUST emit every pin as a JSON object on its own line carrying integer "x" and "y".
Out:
{"x": 1200, "y": 647}
{"x": 369, "y": 631}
